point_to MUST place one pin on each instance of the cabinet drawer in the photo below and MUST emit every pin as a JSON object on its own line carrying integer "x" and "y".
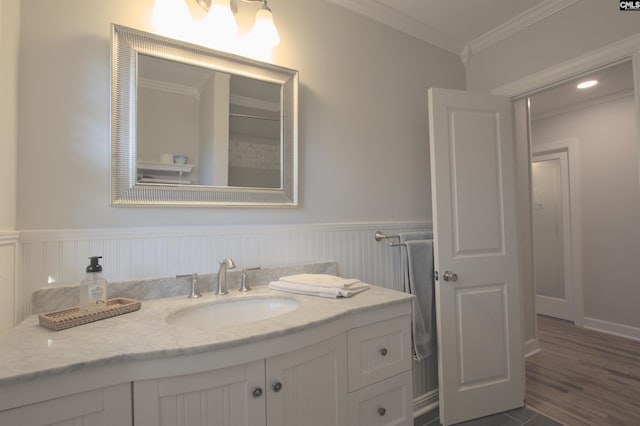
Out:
{"x": 385, "y": 403}
{"x": 378, "y": 351}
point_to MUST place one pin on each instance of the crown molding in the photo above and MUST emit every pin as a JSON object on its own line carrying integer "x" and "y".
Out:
{"x": 515, "y": 25}
{"x": 377, "y": 11}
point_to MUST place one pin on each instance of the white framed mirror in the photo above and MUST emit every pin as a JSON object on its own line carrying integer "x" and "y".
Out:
{"x": 192, "y": 126}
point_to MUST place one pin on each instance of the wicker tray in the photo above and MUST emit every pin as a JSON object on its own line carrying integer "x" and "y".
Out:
{"x": 67, "y": 318}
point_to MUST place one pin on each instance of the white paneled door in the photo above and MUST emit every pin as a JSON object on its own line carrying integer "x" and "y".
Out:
{"x": 481, "y": 364}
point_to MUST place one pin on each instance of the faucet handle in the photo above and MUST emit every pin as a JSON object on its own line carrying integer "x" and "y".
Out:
{"x": 244, "y": 286}
{"x": 195, "y": 285}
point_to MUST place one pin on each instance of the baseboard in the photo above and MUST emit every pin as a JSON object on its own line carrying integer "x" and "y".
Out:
{"x": 531, "y": 347}
{"x": 425, "y": 403}
{"x": 612, "y": 328}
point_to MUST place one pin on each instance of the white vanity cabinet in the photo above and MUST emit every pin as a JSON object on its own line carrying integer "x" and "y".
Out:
{"x": 302, "y": 387}
{"x": 329, "y": 362}
{"x": 107, "y": 406}
{"x": 358, "y": 377}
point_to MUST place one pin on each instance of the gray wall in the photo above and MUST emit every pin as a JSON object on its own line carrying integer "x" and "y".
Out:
{"x": 9, "y": 28}
{"x": 363, "y": 117}
{"x": 610, "y": 204}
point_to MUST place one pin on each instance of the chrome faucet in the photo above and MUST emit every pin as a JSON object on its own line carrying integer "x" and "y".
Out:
{"x": 222, "y": 276}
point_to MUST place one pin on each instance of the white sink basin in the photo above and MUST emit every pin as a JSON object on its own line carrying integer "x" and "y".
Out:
{"x": 238, "y": 311}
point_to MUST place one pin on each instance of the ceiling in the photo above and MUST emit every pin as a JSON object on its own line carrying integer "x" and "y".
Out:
{"x": 462, "y": 27}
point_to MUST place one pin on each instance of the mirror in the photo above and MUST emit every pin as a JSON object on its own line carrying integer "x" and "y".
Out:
{"x": 193, "y": 126}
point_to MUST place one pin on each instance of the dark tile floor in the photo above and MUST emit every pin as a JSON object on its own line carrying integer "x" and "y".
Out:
{"x": 517, "y": 417}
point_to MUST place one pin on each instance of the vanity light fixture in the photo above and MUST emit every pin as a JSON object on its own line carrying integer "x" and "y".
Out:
{"x": 220, "y": 13}
{"x": 587, "y": 84}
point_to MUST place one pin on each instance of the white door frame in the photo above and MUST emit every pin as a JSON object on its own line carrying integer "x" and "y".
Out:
{"x": 625, "y": 49}
{"x": 574, "y": 262}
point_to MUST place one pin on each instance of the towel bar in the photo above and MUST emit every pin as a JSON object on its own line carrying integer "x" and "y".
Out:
{"x": 381, "y": 236}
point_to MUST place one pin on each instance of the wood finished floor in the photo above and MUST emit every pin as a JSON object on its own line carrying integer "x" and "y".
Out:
{"x": 584, "y": 377}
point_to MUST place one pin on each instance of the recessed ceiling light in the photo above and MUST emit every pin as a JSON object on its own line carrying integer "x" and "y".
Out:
{"x": 587, "y": 84}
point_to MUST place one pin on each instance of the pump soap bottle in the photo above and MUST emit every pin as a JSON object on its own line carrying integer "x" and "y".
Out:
{"x": 93, "y": 289}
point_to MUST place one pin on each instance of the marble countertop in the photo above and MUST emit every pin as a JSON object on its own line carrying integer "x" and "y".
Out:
{"x": 32, "y": 351}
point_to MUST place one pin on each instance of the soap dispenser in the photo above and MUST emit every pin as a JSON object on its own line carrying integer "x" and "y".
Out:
{"x": 93, "y": 289}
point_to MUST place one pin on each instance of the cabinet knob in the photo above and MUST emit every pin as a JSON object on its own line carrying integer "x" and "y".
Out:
{"x": 276, "y": 386}
{"x": 382, "y": 411}
{"x": 256, "y": 392}
{"x": 383, "y": 351}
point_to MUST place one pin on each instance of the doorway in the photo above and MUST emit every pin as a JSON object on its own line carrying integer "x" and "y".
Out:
{"x": 551, "y": 220}
{"x": 602, "y": 142}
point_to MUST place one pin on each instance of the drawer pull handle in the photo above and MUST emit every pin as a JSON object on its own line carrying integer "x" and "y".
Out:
{"x": 382, "y": 411}
{"x": 276, "y": 386}
{"x": 257, "y": 392}
{"x": 383, "y": 351}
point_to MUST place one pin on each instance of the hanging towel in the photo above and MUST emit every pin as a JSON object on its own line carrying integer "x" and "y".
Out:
{"x": 323, "y": 280}
{"x": 319, "y": 290}
{"x": 419, "y": 282}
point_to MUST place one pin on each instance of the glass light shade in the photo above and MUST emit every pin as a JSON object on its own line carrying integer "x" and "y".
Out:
{"x": 171, "y": 18}
{"x": 264, "y": 30}
{"x": 220, "y": 21}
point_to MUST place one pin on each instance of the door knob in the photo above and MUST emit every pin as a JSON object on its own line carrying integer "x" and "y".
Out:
{"x": 450, "y": 276}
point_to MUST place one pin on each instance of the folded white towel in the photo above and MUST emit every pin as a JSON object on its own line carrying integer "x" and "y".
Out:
{"x": 321, "y": 280}
{"x": 322, "y": 291}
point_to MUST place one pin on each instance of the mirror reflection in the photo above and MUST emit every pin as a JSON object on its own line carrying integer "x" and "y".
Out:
{"x": 199, "y": 126}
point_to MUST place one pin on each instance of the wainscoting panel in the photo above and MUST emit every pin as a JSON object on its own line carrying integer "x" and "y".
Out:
{"x": 59, "y": 257}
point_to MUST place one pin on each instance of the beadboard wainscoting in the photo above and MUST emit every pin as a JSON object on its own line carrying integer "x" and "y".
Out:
{"x": 8, "y": 276}
{"x": 59, "y": 257}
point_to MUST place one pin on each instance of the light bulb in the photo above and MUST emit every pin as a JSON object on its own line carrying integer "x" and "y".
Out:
{"x": 264, "y": 30}
{"x": 587, "y": 84}
{"x": 171, "y": 18}
{"x": 220, "y": 21}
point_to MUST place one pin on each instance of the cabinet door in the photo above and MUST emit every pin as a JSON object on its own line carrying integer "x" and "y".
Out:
{"x": 101, "y": 407}
{"x": 227, "y": 396}
{"x": 309, "y": 386}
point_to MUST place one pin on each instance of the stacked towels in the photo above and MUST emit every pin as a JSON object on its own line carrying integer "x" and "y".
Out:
{"x": 319, "y": 285}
